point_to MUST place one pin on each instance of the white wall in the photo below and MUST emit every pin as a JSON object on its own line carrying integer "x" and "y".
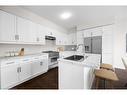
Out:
{"x": 119, "y": 42}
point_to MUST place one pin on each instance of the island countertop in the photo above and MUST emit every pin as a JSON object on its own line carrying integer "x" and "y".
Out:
{"x": 92, "y": 60}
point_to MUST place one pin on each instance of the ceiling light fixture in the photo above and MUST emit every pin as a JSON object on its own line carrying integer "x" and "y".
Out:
{"x": 65, "y": 15}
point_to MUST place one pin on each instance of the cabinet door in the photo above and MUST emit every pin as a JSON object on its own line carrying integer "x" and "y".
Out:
{"x": 7, "y": 27}
{"x": 58, "y": 40}
{"x": 72, "y": 38}
{"x": 87, "y": 33}
{"x": 9, "y": 76}
{"x": 80, "y": 37}
{"x": 40, "y": 66}
{"x": 96, "y": 31}
{"x": 36, "y": 67}
{"x": 40, "y": 34}
{"x": 25, "y": 71}
{"x": 26, "y": 30}
{"x": 44, "y": 64}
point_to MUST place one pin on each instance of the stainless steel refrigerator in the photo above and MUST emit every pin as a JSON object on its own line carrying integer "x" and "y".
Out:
{"x": 93, "y": 44}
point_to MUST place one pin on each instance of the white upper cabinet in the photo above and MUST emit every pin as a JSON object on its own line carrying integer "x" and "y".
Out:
{"x": 93, "y": 32}
{"x": 7, "y": 27}
{"x": 40, "y": 34}
{"x": 61, "y": 38}
{"x": 19, "y": 30}
{"x": 72, "y": 39}
{"x": 26, "y": 30}
{"x": 80, "y": 37}
{"x": 97, "y": 31}
{"x": 87, "y": 33}
{"x": 50, "y": 32}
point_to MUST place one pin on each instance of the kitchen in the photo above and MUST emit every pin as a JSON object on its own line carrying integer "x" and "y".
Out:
{"x": 39, "y": 48}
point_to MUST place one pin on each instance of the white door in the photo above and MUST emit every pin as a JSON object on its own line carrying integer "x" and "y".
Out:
{"x": 25, "y": 71}
{"x": 107, "y": 45}
{"x": 7, "y": 27}
{"x": 9, "y": 76}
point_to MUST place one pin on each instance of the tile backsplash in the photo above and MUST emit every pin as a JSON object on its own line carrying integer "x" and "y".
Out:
{"x": 29, "y": 49}
{"x": 70, "y": 48}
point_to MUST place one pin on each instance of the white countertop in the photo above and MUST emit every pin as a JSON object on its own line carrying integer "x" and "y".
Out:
{"x": 20, "y": 57}
{"x": 93, "y": 60}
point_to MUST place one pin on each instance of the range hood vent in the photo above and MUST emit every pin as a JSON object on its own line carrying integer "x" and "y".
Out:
{"x": 50, "y": 38}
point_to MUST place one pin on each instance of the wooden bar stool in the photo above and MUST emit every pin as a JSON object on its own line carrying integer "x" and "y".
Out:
{"x": 107, "y": 75}
{"x": 106, "y": 66}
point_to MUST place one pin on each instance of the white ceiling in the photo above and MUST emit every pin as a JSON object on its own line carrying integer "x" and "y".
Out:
{"x": 80, "y": 14}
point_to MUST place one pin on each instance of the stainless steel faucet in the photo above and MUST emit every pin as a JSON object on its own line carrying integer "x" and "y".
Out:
{"x": 77, "y": 47}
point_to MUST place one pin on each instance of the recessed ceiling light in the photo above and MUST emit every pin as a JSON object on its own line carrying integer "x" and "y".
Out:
{"x": 65, "y": 15}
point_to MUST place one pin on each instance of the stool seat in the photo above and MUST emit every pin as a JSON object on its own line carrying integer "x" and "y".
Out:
{"x": 106, "y": 74}
{"x": 106, "y": 66}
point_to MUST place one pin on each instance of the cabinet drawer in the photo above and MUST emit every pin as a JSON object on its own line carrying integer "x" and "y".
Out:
{"x": 6, "y": 63}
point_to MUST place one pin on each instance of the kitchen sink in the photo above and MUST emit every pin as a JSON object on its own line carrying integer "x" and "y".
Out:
{"x": 75, "y": 58}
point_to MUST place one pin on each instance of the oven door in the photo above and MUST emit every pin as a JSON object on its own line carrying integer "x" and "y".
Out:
{"x": 53, "y": 61}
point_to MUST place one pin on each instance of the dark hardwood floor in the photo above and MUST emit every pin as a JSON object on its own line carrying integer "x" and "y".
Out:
{"x": 49, "y": 80}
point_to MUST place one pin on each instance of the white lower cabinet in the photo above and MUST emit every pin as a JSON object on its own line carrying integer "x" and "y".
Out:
{"x": 25, "y": 71}
{"x": 14, "y": 73}
{"x": 39, "y": 66}
{"x": 21, "y": 70}
{"x": 73, "y": 76}
{"x": 9, "y": 75}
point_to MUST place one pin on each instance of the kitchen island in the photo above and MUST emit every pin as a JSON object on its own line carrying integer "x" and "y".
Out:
{"x": 78, "y": 74}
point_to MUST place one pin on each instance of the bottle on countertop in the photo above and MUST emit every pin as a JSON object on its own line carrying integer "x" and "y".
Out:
{"x": 21, "y": 53}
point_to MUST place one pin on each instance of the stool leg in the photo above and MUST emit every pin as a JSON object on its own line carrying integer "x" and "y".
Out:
{"x": 97, "y": 82}
{"x": 111, "y": 84}
{"x": 104, "y": 84}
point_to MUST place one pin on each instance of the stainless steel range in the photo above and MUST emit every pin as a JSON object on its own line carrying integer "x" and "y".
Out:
{"x": 53, "y": 56}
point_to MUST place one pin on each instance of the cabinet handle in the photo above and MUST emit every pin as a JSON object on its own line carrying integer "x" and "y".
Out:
{"x": 36, "y": 58}
{"x": 37, "y": 39}
{"x": 18, "y": 70}
{"x": 41, "y": 63}
{"x": 25, "y": 59}
{"x": 16, "y": 37}
{"x": 10, "y": 63}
